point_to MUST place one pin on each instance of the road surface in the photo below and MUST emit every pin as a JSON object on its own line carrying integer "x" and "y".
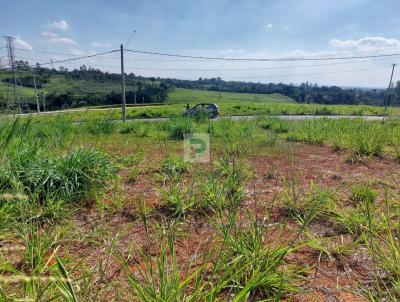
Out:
{"x": 233, "y": 117}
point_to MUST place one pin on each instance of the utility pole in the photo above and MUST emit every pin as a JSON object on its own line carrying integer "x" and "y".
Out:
{"x": 123, "y": 85}
{"x": 44, "y": 100}
{"x": 134, "y": 89}
{"x": 388, "y": 93}
{"x": 355, "y": 97}
{"x": 219, "y": 88}
{"x": 36, "y": 94}
{"x": 305, "y": 93}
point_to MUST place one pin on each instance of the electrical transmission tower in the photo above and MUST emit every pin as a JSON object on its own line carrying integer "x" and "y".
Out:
{"x": 14, "y": 102}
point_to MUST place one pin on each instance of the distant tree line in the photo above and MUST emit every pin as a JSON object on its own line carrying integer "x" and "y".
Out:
{"x": 96, "y": 87}
{"x": 304, "y": 93}
{"x": 102, "y": 88}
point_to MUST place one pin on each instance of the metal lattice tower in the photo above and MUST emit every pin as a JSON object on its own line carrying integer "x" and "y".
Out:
{"x": 14, "y": 102}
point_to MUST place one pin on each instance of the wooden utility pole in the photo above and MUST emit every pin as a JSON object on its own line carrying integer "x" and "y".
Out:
{"x": 305, "y": 93}
{"x": 134, "y": 93}
{"x": 36, "y": 94}
{"x": 123, "y": 85}
{"x": 388, "y": 93}
{"x": 44, "y": 100}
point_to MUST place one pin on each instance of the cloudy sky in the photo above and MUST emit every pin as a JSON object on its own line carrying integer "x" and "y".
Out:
{"x": 55, "y": 30}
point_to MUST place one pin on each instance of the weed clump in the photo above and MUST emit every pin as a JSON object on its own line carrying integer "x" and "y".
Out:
{"x": 139, "y": 129}
{"x": 367, "y": 139}
{"x": 173, "y": 165}
{"x": 52, "y": 177}
{"x": 101, "y": 126}
{"x": 361, "y": 194}
{"x": 250, "y": 268}
{"x": 307, "y": 207}
{"x": 133, "y": 174}
{"x": 179, "y": 199}
{"x": 273, "y": 123}
{"x": 323, "y": 111}
{"x": 213, "y": 196}
{"x": 179, "y": 127}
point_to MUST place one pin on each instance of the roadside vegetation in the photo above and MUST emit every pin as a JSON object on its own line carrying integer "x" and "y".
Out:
{"x": 285, "y": 210}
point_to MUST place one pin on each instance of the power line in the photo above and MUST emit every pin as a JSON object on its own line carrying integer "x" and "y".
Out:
{"x": 233, "y": 69}
{"x": 246, "y": 69}
{"x": 213, "y": 58}
{"x": 263, "y": 59}
{"x": 74, "y": 59}
{"x": 309, "y": 74}
{"x": 48, "y": 52}
{"x": 189, "y": 69}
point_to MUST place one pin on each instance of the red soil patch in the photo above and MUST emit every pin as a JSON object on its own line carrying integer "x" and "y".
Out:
{"x": 303, "y": 165}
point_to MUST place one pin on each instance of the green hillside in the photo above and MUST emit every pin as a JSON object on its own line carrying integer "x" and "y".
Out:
{"x": 181, "y": 95}
{"x": 90, "y": 96}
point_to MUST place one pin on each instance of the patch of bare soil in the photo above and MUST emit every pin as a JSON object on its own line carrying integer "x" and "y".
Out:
{"x": 121, "y": 232}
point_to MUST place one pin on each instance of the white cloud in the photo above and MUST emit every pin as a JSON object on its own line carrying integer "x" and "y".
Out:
{"x": 54, "y": 38}
{"x": 100, "y": 45}
{"x": 62, "y": 25}
{"x": 22, "y": 44}
{"x": 365, "y": 44}
{"x": 77, "y": 52}
{"x": 269, "y": 26}
{"x": 62, "y": 40}
{"x": 231, "y": 51}
{"x": 49, "y": 34}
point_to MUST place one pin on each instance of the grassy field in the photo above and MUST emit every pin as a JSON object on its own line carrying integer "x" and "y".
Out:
{"x": 180, "y": 95}
{"x": 284, "y": 211}
{"x": 229, "y": 103}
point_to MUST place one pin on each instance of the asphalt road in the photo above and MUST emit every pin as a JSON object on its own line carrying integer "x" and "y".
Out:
{"x": 233, "y": 117}
{"x": 287, "y": 117}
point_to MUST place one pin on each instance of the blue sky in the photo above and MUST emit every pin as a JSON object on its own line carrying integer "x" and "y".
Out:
{"x": 243, "y": 29}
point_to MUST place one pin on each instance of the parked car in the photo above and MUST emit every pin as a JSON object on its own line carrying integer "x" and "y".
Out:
{"x": 209, "y": 109}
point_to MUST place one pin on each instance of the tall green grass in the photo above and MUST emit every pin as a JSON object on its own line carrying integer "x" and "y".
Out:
{"x": 178, "y": 127}
{"x": 361, "y": 137}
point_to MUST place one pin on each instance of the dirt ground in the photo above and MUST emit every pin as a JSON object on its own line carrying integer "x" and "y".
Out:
{"x": 301, "y": 164}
